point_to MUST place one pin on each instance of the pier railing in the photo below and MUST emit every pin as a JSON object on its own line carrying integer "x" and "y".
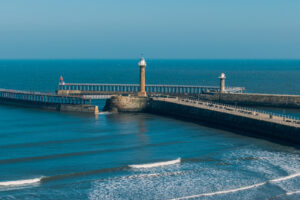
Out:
{"x": 42, "y": 97}
{"x": 132, "y": 88}
{"x": 244, "y": 111}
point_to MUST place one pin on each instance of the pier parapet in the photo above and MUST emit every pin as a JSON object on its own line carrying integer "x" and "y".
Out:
{"x": 254, "y": 99}
{"x": 240, "y": 119}
{"x": 105, "y": 88}
{"x": 47, "y": 101}
{"x": 252, "y": 122}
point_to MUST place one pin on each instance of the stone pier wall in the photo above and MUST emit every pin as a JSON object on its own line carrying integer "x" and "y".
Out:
{"x": 91, "y": 109}
{"x": 29, "y": 104}
{"x": 79, "y": 108}
{"x": 248, "y": 99}
{"x": 126, "y": 104}
{"x": 241, "y": 124}
{"x": 281, "y": 132}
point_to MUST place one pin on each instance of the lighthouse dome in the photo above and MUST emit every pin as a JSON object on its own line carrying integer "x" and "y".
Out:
{"x": 142, "y": 62}
{"x": 222, "y": 76}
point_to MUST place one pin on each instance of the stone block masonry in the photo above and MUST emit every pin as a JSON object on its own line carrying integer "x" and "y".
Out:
{"x": 259, "y": 124}
{"x": 127, "y": 104}
{"x": 239, "y": 120}
{"x": 249, "y": 99}
{"x": 90, "y": 109}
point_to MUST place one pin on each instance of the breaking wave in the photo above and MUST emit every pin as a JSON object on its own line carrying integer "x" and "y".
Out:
{"x": 291, "y": 193}
{"x": 157, "y": 164}
{"x": 244, "y": 188}
{"x": 223, "y": 192}
{"x": 21, "y": 182}
{"x": 285, "y": 178}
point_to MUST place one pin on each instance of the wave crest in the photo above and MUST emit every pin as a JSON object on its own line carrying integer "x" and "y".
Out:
{"x": 157, "y": 164}
{"x": 245, "y": 188}
{"x": 21, "y": 182}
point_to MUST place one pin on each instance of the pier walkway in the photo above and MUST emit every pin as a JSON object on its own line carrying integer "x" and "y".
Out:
{"x": 39, "y": 97}
{"x": 236, "y": 110}
{"x": 90, "y": 88}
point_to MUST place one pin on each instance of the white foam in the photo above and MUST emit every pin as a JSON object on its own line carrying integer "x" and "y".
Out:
{"x": 152, "y": 175}
{"x": 245, "y": 188}
{"x": 291, "y": 193}
{"x": 157, "y": 164}
{"x": 285, "y": 178}
{"x": 20, "y": 182}
{"x": 223, "y": 192}
{"x": 142, "y": 176}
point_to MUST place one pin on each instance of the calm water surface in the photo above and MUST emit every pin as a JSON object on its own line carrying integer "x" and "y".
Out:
{"x": 50, "y": 155}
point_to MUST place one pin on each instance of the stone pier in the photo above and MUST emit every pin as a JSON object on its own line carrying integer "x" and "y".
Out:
{"x": 127, "y": 104}
{"x": 240, "y": 120}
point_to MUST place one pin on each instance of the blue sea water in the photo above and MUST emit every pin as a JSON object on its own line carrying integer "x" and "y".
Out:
{"x": 51, "y": 155}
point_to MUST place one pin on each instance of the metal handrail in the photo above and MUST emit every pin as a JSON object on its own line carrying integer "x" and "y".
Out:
{"x": 284, "y": 116}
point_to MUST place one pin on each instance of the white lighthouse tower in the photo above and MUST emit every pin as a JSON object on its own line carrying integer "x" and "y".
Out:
{"x": 222, "y": 78}
{"x": 142, "y": 64}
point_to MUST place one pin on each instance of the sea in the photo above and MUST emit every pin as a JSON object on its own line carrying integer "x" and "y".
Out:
{"x": 52, "y": 155}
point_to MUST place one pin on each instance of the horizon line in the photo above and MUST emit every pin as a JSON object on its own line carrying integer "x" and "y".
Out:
{"x": 149, "y": 58}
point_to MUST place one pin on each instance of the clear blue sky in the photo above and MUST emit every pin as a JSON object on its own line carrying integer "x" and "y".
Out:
{"x": 158, "y": 28}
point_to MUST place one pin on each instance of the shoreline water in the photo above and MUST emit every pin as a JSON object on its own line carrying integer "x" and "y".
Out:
{"x": 78, "y": 147}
